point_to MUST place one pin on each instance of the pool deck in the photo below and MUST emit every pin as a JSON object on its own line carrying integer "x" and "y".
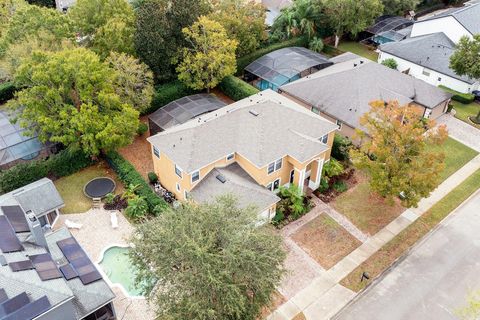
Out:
{"x": 95, "y": 236}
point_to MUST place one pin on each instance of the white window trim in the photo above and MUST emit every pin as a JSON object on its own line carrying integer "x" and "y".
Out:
{"x": 193, "y": 173}
{"x": 181, "y": 172}
{"x": 157, "y": 154}
{"x": 321, "y": 139}
{"x": 273, "y": 183}
{"x": 268, "y": 166}
{"x": 275, "y": 166}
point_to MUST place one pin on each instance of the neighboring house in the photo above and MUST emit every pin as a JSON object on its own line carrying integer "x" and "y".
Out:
{"x": 64, "y": 5}
{"x": 274, "y": 8}
{"x": 249, "y": 149}
{"x": 342, "y": 92}
{"x": 387, "y": 29}
{"x": 182, "y": 110}
{"x": 454, "y": 23}
{"x": 40, "y": 196}
{"x": 46, "y": 275}
{"x": 283, "y": 66}
{"x": 428, "y": 58}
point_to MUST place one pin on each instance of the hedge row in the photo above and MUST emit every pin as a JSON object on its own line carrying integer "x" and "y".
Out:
{"x": 129, "y": 176}
{"x": 244, "y": 61}
{"x": 465, "y": 98}
{"x": 7, "y": 89}
{"x": 166, "y": 93}
{"x": 58, "y": 165}
{"x": 236, "y": 88}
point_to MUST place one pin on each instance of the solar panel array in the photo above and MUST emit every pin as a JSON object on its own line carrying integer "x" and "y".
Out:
{"x": 79, "y": 260}
{"x": 21, "y": 265}
{"x": 68, "y": 271}
{"x": 45, "y": 266}
{"x": 387, "y": 23}
{"x": 184, "y": 109}
{"x": 8, "y": 239}
{"x": 280, "y": 66}
{"x": 20, "y": 306}
{"x": 17, "y": 218}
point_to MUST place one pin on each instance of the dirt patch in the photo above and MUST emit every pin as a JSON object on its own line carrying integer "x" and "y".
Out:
{"x": 325, "y": 240}
{"x": 364, "y": 208}
{"x": 139, "y": 154}
{"x": 222, "y": 96}
{"x": 300, "y": 316}
{"x": 276, "y": 301}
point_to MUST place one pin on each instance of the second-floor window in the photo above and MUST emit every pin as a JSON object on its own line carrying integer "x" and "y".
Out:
{"x": 275, "y": 166}
{"x": 324, "y": 139}
{"x": 178, "y": 171}
{"x": 195, "y": 176}
{"x": 156, "y": 152}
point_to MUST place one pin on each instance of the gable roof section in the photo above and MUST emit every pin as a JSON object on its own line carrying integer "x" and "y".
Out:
{"x": 237, "y": 182}
{"x": 468, "y": 16}
{"x": 431, "y": 51}
{"x": 345, "y": 89}
{"x": 281, "y": 128}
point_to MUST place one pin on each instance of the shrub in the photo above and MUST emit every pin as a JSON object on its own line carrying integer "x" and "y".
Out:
{"x": 7, "y": 89}
{"x": 142, "y": 128}
{"x": 450, "y": 107}
{"x": 152, "y": 177}
{"x": 166, "y": 93}
{"x": 58, "y": 165}
{"x": 137, "y": 208}
{"x": 236, "y": 88}
{"x": 244, "y": 61}
{"x": 109, "y": 198}
{"x": 324, "y": 186}
{"x": 129, "y": 176}
{"x": 316, "y": 44}
{"x": 292, "y": 205}
{"x": 464, "y": 98}
{"x": 390, "y": 63}
{"x": 340, "y": 186}
{"x": 333, "y": 168}
{"x": 341, "y": 147}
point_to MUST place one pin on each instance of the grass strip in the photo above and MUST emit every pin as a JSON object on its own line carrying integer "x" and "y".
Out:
{"x": 400, "y": 244}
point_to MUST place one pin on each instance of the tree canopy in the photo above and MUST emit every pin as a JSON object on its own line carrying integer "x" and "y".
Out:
{"x": 210, "y": 56}
{"x": 70, "y": 97}
{"x": 133, "y": 80}
{"x": 399, "y": 7}
{"x": 7, "y": 10}
{"x": 207, "y": 261}
{"x": 398, "y": 153}
{"x": 244, "y": 21}
{"x": 158, "y": 34}
{"x": 105, "y": 25}
{"x": 351, "y": 16}
{"x": 465, "y": 60}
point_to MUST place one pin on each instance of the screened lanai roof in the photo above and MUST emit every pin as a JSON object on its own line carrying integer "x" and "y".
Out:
{"x": 184, "y": 109}
{"x": 389, "y": 23}
{"x": 279, "y": 66}
{"x": 14, "y": 144}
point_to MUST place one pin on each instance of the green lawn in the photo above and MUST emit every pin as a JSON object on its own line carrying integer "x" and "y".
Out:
{"x": 466, "y": 110}
{"x": 358, "y": 49}
{"x": 456, "y": 156}
{"x": 401, "y": 243}
{"x": 71, "y": 187}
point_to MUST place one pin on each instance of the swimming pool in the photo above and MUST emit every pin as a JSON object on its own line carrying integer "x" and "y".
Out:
{"x": 117, "y": 266}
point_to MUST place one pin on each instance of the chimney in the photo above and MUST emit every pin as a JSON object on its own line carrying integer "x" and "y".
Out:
{"x": 36, "y": 230}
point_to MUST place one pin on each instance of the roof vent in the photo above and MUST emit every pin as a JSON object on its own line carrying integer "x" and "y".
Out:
{"x": 221, "y": 178}
{"x": 361, "y": 61}
{"x": 354, "y": 64}
{"x": 254, "y": 113}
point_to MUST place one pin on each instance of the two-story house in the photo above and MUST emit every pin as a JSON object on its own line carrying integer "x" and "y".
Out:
{"x": 249, "y": 149}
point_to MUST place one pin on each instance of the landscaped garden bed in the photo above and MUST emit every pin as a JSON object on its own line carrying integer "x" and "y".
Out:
{"x": 293, "y": 205}
{"x": 325, "y": 240}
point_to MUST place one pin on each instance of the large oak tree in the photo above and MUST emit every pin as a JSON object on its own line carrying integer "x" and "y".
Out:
{"x": 207, "y": 262}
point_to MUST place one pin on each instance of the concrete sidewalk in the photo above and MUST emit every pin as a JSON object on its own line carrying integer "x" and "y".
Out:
{"x": 324, "y": 297}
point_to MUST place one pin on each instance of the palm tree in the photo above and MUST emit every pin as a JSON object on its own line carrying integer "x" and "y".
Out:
{"x": 316, "y": 44}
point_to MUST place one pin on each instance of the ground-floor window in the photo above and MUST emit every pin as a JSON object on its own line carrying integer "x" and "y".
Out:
{"x": 272, "y": 186}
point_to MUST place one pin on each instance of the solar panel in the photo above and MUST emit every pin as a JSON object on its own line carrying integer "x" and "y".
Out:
{"x": 68, "y": 272}
{"x": 3, "y": 295}
{"x": 21, "y": 265}
{"x": 17, "y": 218}
{"x": 79, "y": 260}
{"x": 13, "y": 304}
{"x": 45, "y": 266}
{"x": 31, "y": 310}
{"x": 8, "y": 240}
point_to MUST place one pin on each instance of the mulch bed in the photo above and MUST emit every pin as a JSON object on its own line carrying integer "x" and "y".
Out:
{"x": 348, "y": 177}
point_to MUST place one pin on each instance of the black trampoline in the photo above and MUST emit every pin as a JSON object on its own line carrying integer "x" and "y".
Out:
{"x": 99, "y": 187}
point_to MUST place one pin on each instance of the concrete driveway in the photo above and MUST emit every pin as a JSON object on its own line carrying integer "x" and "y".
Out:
{"x": 434, "y": 279}
{"x": 461, "y": 131}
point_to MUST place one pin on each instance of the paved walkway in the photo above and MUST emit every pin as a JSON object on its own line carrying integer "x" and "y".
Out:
{"x": 324, "y": 297}
{"x": 461, "y": 131}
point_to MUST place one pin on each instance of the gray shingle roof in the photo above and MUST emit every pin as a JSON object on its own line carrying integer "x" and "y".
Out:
{"x": 40, "y": 196}
{"x": 282, "y": 127}
{"x": 431, "y": 51}
{"x": 468, "y": 16}
{"x": 238, "y": 183}
{"x": 345, "y": 89}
